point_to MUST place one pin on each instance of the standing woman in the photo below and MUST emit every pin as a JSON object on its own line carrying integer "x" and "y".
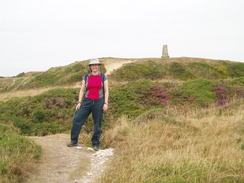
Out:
{"x": 94, "y": 89}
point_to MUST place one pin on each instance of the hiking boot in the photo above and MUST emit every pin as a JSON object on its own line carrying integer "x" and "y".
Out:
{"x": 72, "y": 144}
{"x": 95, "y": 148}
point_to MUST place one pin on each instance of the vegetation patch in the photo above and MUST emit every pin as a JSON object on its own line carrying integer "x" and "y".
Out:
{"x": 136, "y": 97}
{"x": 235, "y": 69}
{"x": 136, "y": 71}
{"x": 201, "y": 90}
{"x": 204, "y": 70}
{"x": 170, "y": 132}
{"x": 178, "y": 71}
{"x": 48, "y": 113}
{"x": 175, "y": 146}
{"x": 15, "y": 150}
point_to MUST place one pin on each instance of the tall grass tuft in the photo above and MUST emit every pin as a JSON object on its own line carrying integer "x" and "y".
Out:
{"x": 202, "y": 145}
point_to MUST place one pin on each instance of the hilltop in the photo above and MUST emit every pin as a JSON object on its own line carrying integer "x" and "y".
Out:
{"x": 170, "y": 68}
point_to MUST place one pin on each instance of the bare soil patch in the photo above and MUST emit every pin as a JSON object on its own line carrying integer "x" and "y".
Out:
{"x": 62, "y": 164}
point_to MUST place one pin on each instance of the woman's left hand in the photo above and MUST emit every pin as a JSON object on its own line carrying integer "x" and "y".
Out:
{"x": 105, "y": 107}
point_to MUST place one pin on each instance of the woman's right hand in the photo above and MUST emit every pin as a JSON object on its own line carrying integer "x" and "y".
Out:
{"x": 78, "y": 106}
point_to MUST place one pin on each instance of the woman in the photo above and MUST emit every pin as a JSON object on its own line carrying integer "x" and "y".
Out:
{"x": 94, "y": 88}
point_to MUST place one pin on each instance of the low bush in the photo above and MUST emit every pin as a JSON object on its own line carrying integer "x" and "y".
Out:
{"x": 201, "y": 90}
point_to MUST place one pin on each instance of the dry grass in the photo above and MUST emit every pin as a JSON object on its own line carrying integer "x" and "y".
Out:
{"x": 32, "y": 92}
{"x": 197, "y": 146}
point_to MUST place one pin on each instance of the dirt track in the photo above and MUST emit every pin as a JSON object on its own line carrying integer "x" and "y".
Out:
{"x": 62, "y": 164}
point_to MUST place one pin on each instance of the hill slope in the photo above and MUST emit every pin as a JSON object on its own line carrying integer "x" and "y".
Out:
{"x": 148, "y": 68}
{"x": 174, "y": 102}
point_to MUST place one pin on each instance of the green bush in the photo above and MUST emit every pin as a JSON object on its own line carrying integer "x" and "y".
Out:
{"x": 125, "y": 100}
{"x": 201, "y": 90}
{"x": 40, "y": 115}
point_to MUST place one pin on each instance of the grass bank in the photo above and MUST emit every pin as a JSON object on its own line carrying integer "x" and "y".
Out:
{"x": 170, "y": 145}
{"x": 18, "y": 154}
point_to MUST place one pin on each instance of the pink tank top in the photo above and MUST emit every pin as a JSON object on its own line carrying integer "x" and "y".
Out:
{"x": 95, "y": 87}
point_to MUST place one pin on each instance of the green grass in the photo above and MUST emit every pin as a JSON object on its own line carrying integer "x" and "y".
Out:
{"x": 15, "y": 150}
{"x": 201, "y": 90}
{"x": 178, "y": 71}
{"x": 181, "y": 69}
{"x": 146, "y": 70}
{"x": 204, "y": 70}
{"x": 56, "y": 76}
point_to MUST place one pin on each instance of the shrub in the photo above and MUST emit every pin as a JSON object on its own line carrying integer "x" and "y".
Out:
{"x": 201, "y": 90}
{"x": 222, "y": 96}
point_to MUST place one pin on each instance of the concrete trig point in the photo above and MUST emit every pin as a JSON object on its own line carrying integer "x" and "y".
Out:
{"x": 165, "y": 52}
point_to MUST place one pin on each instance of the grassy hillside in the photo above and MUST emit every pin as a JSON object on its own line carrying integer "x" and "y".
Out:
{"x": 178, "y": 110}
{"x": 151, "y": 68}
{"x": 180, "y": 69}
{"x": 56, "y": 76}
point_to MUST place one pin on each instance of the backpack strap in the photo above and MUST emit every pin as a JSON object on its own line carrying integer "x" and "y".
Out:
{"x": 86, "y": 76}
{"x": 103, "y": 77}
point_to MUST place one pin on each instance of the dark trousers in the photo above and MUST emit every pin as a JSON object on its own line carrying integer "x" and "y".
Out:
{"x": 88, "y": 106}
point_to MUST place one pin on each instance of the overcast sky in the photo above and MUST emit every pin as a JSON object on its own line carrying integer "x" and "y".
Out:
{"x": 36, "y": 35}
